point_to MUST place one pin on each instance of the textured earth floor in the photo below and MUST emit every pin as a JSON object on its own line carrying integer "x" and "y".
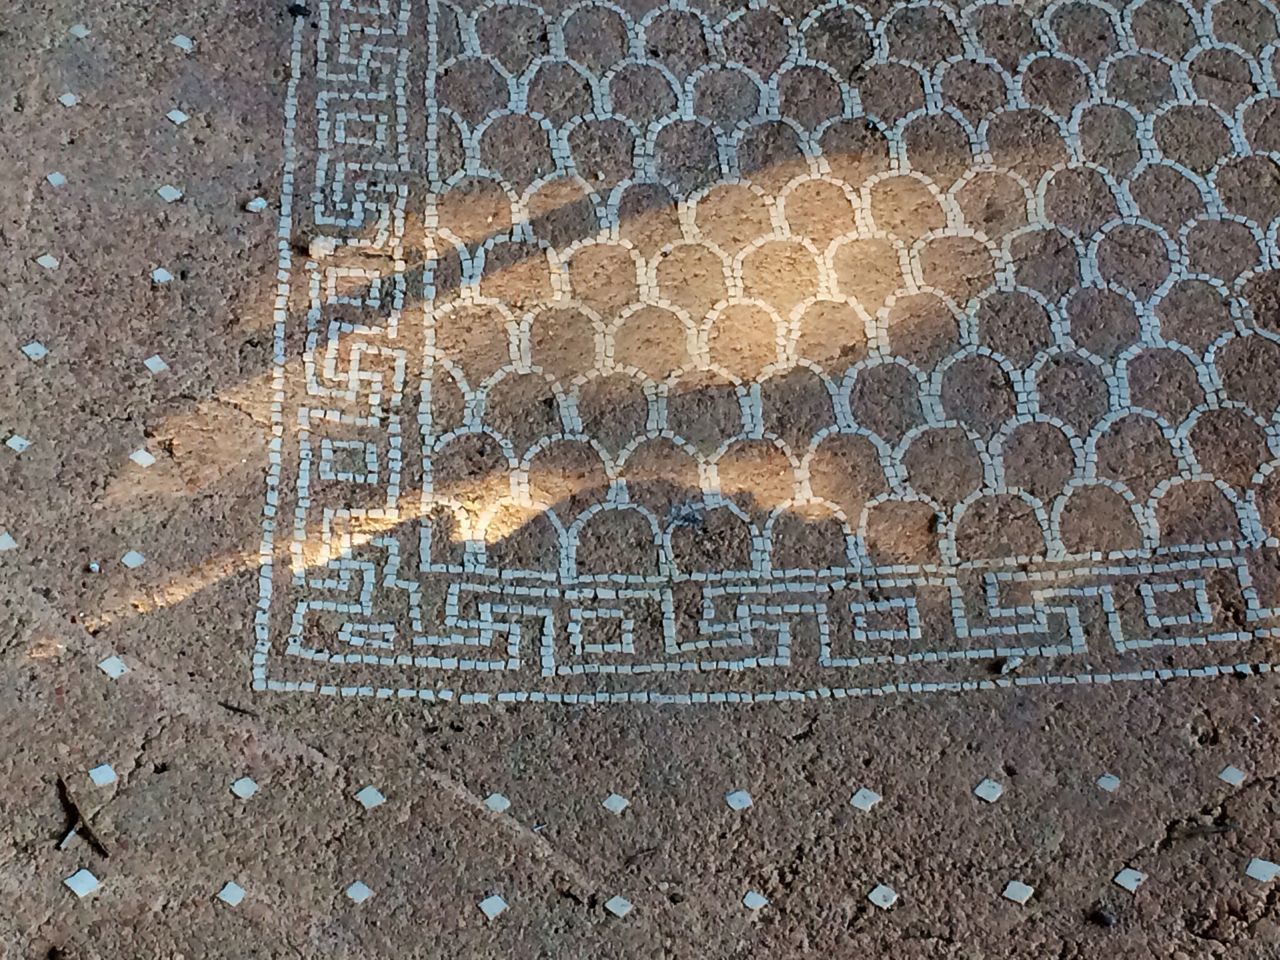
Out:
{"x": 736, "y": 480}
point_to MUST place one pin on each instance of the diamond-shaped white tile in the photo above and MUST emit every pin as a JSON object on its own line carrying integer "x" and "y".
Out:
{"x": 142, "y": 458}
{"x": 183, "y": 43}
{"x": 256, "y": 205}
{"x": 491, "y": 906}
{"x": 231, "y": 894}
{"x": 738, "y": 800}
{"x": 1017, "y": 891}
{"x": 497, "y": 802}
{"x": 244, "y": 788}
{"x": 82, "y": 883}
{"x": 78, "y": 30}
{"x": 7, "y": 542}
{"x": 883, "y": 896}
{"x": 615, "y": 803}
{"x": 169, "y": 193}
{"x": 17, "y": 443}
{"x": 177, "y": 117}
{"x": 161, "y": 275}
{"x": 35, "y": 350}
{"x": 155, "y": 364}
{"x": 618, "y": 906}
{"x": 56, "y": 179}
{"x": 133, "y": 559}
{"x": 1264, "y": 871}
{"x": 48, "y": 261}
{"x": 1129, "y": 879}
{"x": 1109, "y": 782}
{"x": 1232, "y": 775}
{"x": 102, "y": 775}
{"x": 865, "y": 798}
{"x": 68, "y": 99}
{"x": 113, "y": 667}
{"x": 370, "y": 797}
{"x": 989, "y": 790}
{"x": 753, "y": 900}
{"x": 358, "y": 892}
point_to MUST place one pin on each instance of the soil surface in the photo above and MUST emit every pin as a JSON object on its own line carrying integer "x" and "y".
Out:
{"x": 735, "y": 479}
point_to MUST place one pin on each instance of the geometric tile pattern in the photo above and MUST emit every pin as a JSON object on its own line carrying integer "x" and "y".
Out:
{"x": 691, "y": 352}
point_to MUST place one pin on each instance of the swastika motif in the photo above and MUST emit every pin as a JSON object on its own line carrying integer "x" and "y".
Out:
{"x": 712, "y": 351}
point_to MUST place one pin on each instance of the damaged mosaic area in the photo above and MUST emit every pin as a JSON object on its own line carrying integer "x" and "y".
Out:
{"x": 703, "y": 352}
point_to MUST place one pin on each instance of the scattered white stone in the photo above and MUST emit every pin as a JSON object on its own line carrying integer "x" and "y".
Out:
{"x": 231, "y": 894}
{"x": 56, "y": 179}
{"x": 1017, "y": 891}
{"x": 244, "y": 788}
{"x": 358, "y": 892}
{"x": 618, "y": 906}
{"x": 142, "y": 458}
{"x": 865, "y": 799}
{"x": 1010, "y": 664}
{"x": 370, "y": 797}
{"x": 113, "y": 667}
{"x": 93, "y": 566}
{"x": 161, "y": 275}
{"x": 321, "y": 247}
{"x": 1232, "y": 775}
{"x": 78, "y": 30}
{"x": 497, "y": 802}
{"x": 1264, "y": 871}
{"x": 133, "y": 559}
{"x": 68, "y": 99}
{"x": 48, "y": 261}
{"x": 492, "y": 906}
{"x": 256, "y": 205}
{"x": 35, "y": 350}
{"x": 7, "y": 542}
{"x": 1129, "y": 879}
{"x": 17, "y": 443}
{"x": 989, "y": 790}
{"x": 883, "y": 896}
{"x": 755, "y": 901}
{"x": 1109, "y": 782}
{"x": 82, "y": 883}
{"x": 177, "y": 117}
{"x": 102, "y": 775}
{"x": 738, "y": 800}
{"x": 183, "y": 43}
{"x": 615, "y": 803}
{"x": 155, "y": 364}
{"x": 169, "y": 193}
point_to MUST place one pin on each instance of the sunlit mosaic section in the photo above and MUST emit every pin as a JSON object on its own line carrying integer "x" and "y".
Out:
{"x": 695, "y": 353}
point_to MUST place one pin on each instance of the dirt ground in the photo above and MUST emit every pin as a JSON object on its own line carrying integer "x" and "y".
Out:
{"x": 736, "y": 480}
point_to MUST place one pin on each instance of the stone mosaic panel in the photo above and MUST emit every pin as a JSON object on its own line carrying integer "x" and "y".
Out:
{"x": 705, "y": 352}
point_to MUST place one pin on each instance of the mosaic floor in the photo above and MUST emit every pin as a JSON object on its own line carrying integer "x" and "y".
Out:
{"x": 692, "y": 354}
{"x": 641, "y": 479}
